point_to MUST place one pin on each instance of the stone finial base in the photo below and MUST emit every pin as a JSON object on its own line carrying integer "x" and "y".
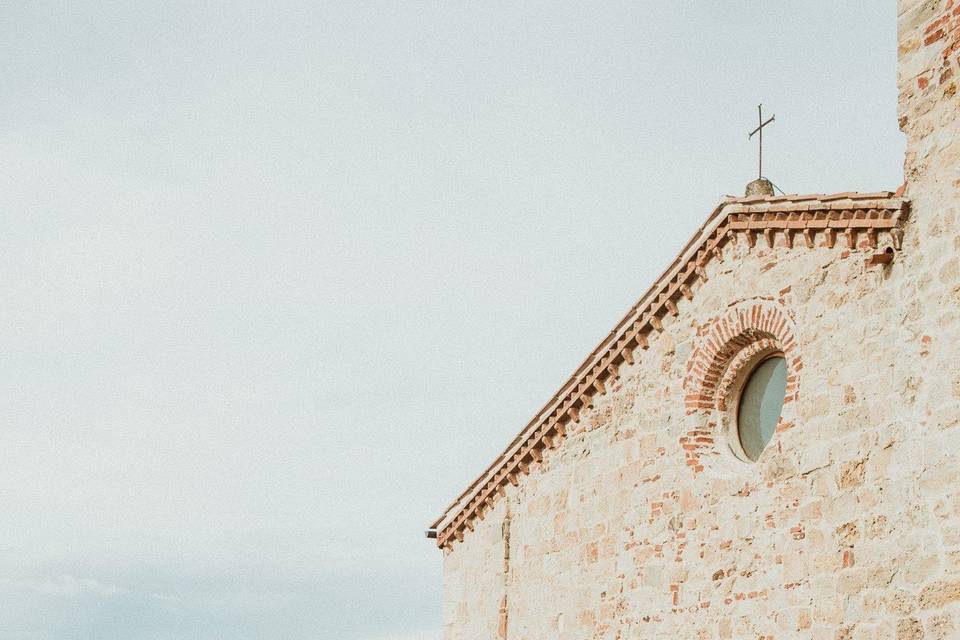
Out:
{"x": 760, "y": 187}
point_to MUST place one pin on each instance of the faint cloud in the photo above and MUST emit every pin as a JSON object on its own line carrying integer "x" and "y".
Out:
{"x": 69, "y": 586}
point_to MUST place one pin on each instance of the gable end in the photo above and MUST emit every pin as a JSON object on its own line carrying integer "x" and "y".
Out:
{"x": 870, "y": 222}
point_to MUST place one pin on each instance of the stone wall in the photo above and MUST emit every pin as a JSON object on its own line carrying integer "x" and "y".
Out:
{"x": 474, "y": 579}
{"x": 641, "y": 525}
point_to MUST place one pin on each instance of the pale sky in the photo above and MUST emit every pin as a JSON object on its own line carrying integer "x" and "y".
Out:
{"x": 278, "y": 280}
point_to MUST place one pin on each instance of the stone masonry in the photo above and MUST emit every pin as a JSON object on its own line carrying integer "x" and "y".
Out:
{"x": 620, "y": 512}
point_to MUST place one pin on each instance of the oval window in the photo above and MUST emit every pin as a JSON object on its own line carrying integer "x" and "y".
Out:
{"x": 760, "y": 404}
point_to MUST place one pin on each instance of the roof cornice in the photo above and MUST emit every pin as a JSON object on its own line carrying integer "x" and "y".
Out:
{"x": 798, "y": 218}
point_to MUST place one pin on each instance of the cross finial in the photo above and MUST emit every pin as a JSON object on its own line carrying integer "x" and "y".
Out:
{"x": 759, "y": 130}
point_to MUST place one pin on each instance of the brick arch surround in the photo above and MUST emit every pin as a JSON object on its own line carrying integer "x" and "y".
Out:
{"x": 724, "y": 346}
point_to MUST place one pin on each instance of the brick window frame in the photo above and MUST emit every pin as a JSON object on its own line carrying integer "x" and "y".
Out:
{"x": 727, "y": 350}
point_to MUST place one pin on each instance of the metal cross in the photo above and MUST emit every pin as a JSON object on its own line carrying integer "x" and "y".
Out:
{"x": 760, "y": 131}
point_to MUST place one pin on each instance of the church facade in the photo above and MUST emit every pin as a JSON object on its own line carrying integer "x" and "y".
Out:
{"x": 768, "y": 444}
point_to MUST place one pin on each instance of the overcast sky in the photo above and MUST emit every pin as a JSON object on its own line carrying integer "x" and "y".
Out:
{"x": 277, "y": 281}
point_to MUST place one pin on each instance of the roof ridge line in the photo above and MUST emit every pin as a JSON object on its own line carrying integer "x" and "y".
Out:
{"x": 591, "y": 357}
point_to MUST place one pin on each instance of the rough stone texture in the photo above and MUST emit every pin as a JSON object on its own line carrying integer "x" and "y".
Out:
{"x": 759, "y": 187}
{"x": 474, "y": 578}
{"x": 848, "y": 526}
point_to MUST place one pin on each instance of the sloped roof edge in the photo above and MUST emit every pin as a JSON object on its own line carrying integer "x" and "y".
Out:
{"x": 850, "y": 213}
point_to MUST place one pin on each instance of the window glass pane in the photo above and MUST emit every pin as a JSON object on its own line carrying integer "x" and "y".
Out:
{"x": 760, "y": 405}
